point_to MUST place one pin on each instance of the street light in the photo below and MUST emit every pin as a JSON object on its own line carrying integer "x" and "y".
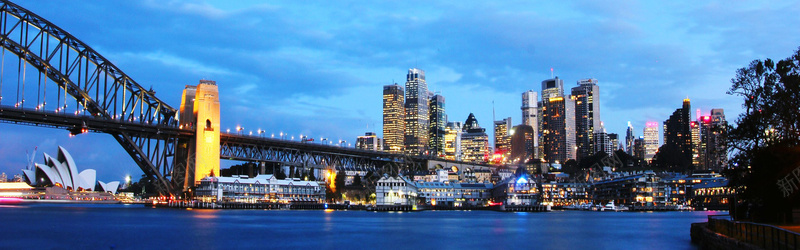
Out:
{"x": 239, "y": 129}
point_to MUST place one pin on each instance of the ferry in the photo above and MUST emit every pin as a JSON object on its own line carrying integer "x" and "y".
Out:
{"x": 611, "y": 207}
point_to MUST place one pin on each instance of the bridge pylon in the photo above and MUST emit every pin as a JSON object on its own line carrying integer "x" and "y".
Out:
{"x": 198, "y": 157}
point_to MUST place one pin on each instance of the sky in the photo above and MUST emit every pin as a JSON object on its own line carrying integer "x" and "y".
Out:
{"x": 318, "y": 69}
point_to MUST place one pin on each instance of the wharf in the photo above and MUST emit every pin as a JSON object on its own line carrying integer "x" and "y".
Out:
{"x": 261, "y": 205}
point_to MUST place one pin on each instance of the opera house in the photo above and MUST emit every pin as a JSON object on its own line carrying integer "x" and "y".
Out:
{"x": 58, "y": 179}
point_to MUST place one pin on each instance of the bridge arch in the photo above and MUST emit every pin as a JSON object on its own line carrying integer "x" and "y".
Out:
{"x": 102, "y": 93}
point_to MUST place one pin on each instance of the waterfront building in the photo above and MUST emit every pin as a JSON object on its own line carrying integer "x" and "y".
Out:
{"x": 453, "y": 194}
{"x": 679, "y": 188}
{"x": 62, "y": 172}
{"x": 651, "y": 141}
{"x": 630, "y": 136}
{"x": 677, "y": 130}
{"x": 519, "y": 189}
{"x": 393, "y": 118}
{"x": 369, "y": 141}
{"x": 502, "y": 138}
{"x": 602, "y": 142}
{"x": 566, "y": 193}
{"x": 417, "y": 118}
{"x": 587, "y": 116}
{"x": 523, "y": 144}
{"x": 259, "y": 189}
{"x": 474, "y": 141}
{"x": 639, "y": 189}
{"x": 394, "y": 191}
{"x": 530, "y": 117}
{"x": 438, "y": 121}
{"x": 452, "y": 141}
{"x": 712, "y": 195}
{"x": 558, "y": 128}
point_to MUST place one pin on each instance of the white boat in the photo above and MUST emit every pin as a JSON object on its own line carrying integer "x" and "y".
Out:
{"x": 611, "y": 207}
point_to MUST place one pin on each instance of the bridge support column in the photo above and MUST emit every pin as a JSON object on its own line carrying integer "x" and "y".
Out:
{"x": 202, "y": 158}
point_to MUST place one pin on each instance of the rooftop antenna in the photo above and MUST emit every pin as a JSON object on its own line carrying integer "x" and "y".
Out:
{"x": 493, "y": 119}
{"x": 551, "y": 72}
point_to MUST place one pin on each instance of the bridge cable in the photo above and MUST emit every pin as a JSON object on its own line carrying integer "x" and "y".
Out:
{"x": 19, "y": 69}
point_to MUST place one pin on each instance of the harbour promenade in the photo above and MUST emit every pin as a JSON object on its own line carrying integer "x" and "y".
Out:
{"x": 720, "y": 232}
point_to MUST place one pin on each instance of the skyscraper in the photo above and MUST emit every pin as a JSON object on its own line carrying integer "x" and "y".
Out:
{"x": 502, "y": 137}
{"x": 437, "y": 128}
{"x": 677, "y": 130}
{"x": 602, "y": 142}
{"x": 651, "y": 141}
{"x": 639, "y": 147}
{"x": 714, "y": 152}
{"x": 474, "y": 141}
{"x": 369, "y": 141}
{"x": 416, "y": 113}
{"x": 630, "y": 136}
{"x": 522, "y": 144}
{"x": 452, "y": 141}
{"x": 530, "y": 111}
{"x": 587, "y": 116}
{"x": 695, "y": 127}
{"x": 393, "y": 118}
{"x": 558, "y": 122}
{"x": 552, "y": 88}
{"x": 613, "y": 138}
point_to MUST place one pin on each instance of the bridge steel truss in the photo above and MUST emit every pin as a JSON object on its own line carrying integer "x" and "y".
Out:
{"x": 105, "y": 99}
{"x": 299, "y": 154}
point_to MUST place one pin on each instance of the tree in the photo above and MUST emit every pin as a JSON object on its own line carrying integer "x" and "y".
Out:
{"x": 311, "y": 176}
{"x": 670, "y": 158}
{"x": 339, "y": 181}
{"x": 357, "y": 181}
{"x": 766, "y": 136}
{"x": 280, "y": 175}
{"x": 570, "y": 167}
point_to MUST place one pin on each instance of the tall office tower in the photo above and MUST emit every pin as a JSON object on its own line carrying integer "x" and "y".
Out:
{"x": 417, "y": 118}
{"x": 393, "y": 118}
{"x": 438, "y": 121}
{"x": 530, "y": 116}
{"x": 502, "y": 137}
{"x": 695, "y": 127}
{"x": 587, "y": 115}
{"x": 552, "y": 88}
{"x": 713, "y": 140}
{"x": 602, "y": 142}
{"x": 630, "y": 136}
{"x": 474, "y": 141}
{"x": 522, "y": 145}
{"x": 369, "y": 141}
{"x": 677, "y": 130}
{"x": 639, "y": 148}
{"x": 558, "y": 129}
{"x": 651, "y": 141}
{"x": 452, "y": 141}
{"x": 613, "y": 138}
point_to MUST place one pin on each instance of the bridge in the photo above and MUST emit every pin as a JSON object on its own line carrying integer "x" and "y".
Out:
{"x": 71, "y": 86}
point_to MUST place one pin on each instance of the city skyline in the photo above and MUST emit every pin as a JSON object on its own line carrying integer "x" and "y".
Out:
{"x": 283, "y": 72}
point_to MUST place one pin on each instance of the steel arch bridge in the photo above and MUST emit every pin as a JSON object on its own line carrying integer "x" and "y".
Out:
{"x": 78, "y": 89}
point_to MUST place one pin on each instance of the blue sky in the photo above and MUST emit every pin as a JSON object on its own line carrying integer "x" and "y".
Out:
{"x": 318, "y": 68}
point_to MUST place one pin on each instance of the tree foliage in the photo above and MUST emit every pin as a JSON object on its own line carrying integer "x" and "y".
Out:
{"x": 765, "y": 137}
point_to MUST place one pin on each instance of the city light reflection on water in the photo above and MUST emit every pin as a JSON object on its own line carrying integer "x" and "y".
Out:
{"x": 93, "y": 226}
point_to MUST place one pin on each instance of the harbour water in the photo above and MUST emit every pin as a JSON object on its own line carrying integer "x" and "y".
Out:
{"x": 100, "y": 226}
